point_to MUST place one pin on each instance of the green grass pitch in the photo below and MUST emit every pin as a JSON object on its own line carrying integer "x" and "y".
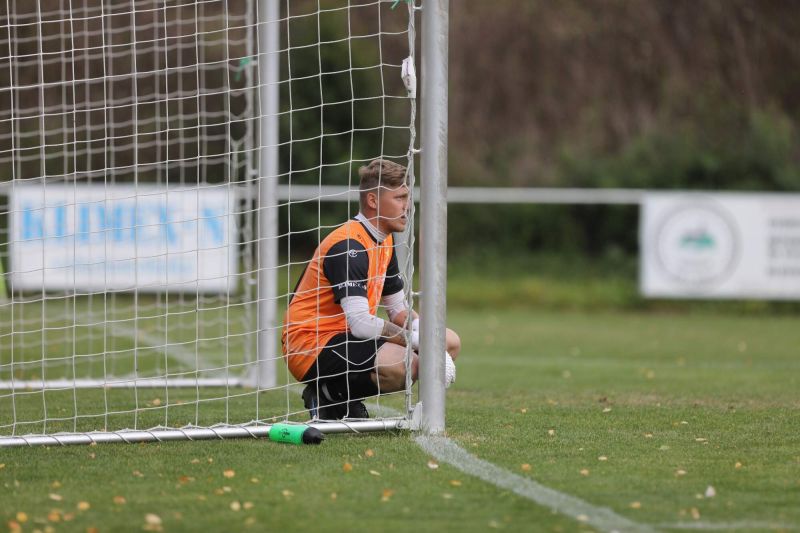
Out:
{"x": 639, "y": 413}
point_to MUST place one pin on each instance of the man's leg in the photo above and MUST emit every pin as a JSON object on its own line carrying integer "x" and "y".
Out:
{"x": 390, "y": 374}
{"x": 453, "y": 343}
{"x": 341, "y": 378}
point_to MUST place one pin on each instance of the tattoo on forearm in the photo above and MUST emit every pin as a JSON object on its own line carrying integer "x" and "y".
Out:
{"x": 393, "y": 333}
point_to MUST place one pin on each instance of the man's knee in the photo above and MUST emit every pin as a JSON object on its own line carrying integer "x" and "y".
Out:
{"x": 453, "y": 342}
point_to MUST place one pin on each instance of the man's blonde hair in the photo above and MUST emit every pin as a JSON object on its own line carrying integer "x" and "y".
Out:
{"x": 380, "y": 173}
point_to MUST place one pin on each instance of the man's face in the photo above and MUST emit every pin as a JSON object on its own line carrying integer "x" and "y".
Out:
{"x": 393, "y": 209}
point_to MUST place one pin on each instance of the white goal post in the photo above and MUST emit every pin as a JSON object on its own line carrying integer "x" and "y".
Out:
{"x": 150, "y": 240}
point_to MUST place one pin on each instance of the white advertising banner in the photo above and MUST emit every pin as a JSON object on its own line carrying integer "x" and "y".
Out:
{"x": 720, "y": 245}
{"x": 123, "y": 237}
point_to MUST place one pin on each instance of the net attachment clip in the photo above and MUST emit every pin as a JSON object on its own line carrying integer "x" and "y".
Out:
{"x": 409, "y": 75}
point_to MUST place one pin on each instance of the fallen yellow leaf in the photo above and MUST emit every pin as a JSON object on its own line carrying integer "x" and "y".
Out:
{"x": 13, "y": 526}
{"x": 680, "y": 472}
{"x": 195, "y": 461}
{"x": 55, "y": 497}
{"x": 636, "y": 505}
{"x": 119, "y": 500}
{"x": 54, "y": 516}
{"x": 152, "y": 527}
{"x": 236, "y": 506}
{"x": 229, "y": 473}
{"x": 374, "y": 472}
{"x": 602, "y": 458}
{"x": 369, "y": 453}
{"x": 455, "y": 482}
{"x": 738, "y": 465}
{"x": 347, "y": 467}
{"x": 526, "y": 467}
{"x": 551, "y": 432}
{"x": 248, "y": 505}
{"x": 386, "y": 495}
{"x": 22, "y": 517}
{"x": 433, "y": 465}
{"x": 585, "y": 472}
{"x": 695, "y": 513}
{"x": 83, "y": 506}
{"x": 287, "y": 493}
{"x": 152, "y": 519}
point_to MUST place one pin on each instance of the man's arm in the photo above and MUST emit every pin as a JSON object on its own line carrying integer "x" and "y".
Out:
{"x": 365, "y": 325}
{"x": 393, "y": 333}
{"x": 397, "y": 308}
{"x": 393, "y": 297}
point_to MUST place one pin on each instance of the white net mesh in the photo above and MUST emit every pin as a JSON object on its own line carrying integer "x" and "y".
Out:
{"x": 129, "y": 160}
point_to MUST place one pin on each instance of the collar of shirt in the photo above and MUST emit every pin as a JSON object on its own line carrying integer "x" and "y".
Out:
{"x": 377, "y": 234}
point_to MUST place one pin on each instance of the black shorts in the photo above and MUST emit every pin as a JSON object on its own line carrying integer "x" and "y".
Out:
{"x": 344, "y": 354}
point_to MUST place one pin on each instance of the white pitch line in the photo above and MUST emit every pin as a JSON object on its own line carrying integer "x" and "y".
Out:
{"x": 451, "y": 453}
{"x": 601, "y": 518}
{"x": 173, "y": 351}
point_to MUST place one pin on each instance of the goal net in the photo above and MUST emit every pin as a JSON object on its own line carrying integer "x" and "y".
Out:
{"x": 166, "y": 171}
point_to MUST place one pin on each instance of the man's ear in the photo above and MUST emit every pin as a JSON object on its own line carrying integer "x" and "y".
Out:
{"x": 372, "y": 200}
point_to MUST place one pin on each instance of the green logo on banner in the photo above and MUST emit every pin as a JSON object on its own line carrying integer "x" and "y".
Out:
{"x": 699, "y": 240}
